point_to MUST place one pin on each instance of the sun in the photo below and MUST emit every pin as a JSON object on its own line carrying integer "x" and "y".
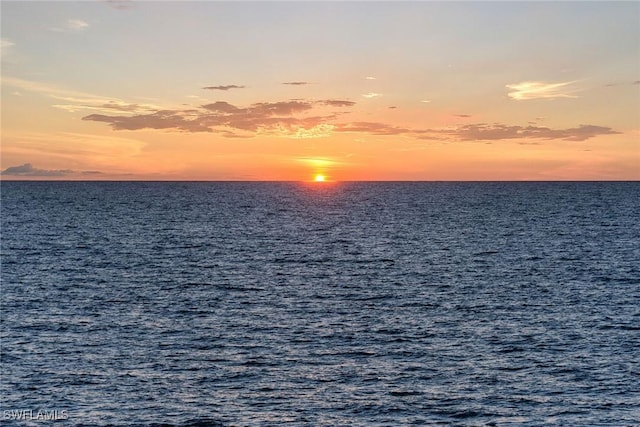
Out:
{"x": 319, "y": 178}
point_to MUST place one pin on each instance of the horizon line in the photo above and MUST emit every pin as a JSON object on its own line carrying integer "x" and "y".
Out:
{"x": 325, "y": 182}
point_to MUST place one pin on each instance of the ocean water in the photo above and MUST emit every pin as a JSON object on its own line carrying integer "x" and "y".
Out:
{"x": 343, "y": 304}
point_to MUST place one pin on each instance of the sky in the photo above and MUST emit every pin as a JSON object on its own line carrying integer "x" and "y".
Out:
{"x": 148, "y": 90}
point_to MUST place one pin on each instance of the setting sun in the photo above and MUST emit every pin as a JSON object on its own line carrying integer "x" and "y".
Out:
{"x": 319, "y": 178}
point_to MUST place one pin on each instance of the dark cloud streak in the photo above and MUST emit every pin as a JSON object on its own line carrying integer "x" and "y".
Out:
{"x": 27, "y": 169}
{"x": 225, "y": 88}
{"x": 485, "y": 132}
{"x": 338, "y": 103}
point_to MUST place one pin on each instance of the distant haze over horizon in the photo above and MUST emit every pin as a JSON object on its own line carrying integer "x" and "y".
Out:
{"x": 350, "y": 91}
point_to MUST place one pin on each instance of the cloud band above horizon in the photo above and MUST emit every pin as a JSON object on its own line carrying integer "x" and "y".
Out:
{"x": 290, "y": 118}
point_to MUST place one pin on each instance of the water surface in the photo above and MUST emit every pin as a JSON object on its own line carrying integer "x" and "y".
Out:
{"x": 362, "y": 304}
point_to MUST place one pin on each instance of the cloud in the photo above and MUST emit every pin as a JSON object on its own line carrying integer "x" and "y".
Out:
{"x": 373, "y": 128}
{"x": 228, "y": 134}
{"x": 6, "y": 43}
{"x": 42, "y": 88}
{"x": 318, "y": 162}
{"x": 280, "y": 118}
{"x": 280, "y": 108}
{"x": 227, "y": 87}
{"x": 540, "y": 90}
{"x": 637, "y": 82}
{"x": 157, "y": 120}
{"x": 72, "y": 26}
{"x": 6, "y": 47}
{"x": 78, "y": 100}
{"x": 338, "y": 103}
{"x": 320, "y": 131}
{"x": 370, "y": 78}
{"x": 486, "y": 132}
{"x": 101, "y": 105}
{"x": 480, "y": 132}
{"x": 121, "y": 106}
{"x": 222, "y": 107}
{"x": 292, "y": 119}
{"x": 297, "y": 83}
{"x": 77, "y": 24}
{"x": 371, "y": 95}
{"x": 27, "y": 169}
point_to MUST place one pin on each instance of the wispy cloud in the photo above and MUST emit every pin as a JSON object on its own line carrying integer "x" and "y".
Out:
{"x": 6, "y": 43}
{"x": 370, "y": 78}
{"x": 39, "y": 87}
{"x": 541, "y": 90}
{"x": 77, "y": 101}
{"x": 102, "y": 105}
{"x": 225, "y": 88}
{"x": 297, "y": 83}
{"x": 77, "y": 24}
{"x": 92, "y": 151}
{"x": 71, "y": 26}
{"x": 371, "y": 95}
{"x": 373, "y": 128}
{"x": 5, "y": 46}
{"x": 318, "y": 162}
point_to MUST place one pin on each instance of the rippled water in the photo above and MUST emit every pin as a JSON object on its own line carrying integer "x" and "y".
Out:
{"x": 364, "y": 304}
